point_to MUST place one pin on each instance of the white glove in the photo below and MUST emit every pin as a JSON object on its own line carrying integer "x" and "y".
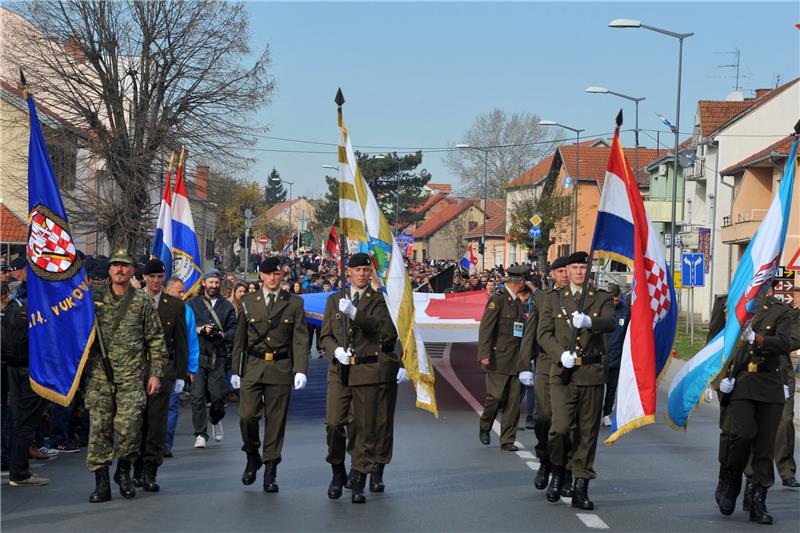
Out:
{"x": 786, "y": 392}
{"x": 300, "y": 381}
{"x": 236, "y": 382}
{"x": 581, "y": 321}
{"x": 749, "y": 334}
{"x": 178, "y": 388}
{"x": 568, "y": 359}
{"x": 347, "y": 307}
{"x": 526, "y": 378}
{"x": 342, "y": 355}
{"x": 726, "y": 385}
{"x": 402, "y": 376}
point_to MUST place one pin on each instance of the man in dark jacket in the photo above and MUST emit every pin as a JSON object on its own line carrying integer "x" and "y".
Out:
{"x": 26, "y": 406}
{"x": 615, "y": 339}
{"x": 216, "y": 329}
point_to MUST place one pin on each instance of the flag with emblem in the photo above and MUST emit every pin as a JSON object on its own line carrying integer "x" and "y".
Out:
{"x": 162, "y": 239}
{"x": 186, "y": 258}
{"x": 623, "y": 228}
{"x": 361, "y": 220}
{"x": 753, "y": 277}
{"x": 332, "y": 244}
{"x": 61, "y": 316}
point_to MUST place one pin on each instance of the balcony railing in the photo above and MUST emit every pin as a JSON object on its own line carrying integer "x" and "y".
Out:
{"x": 750, "y": 215}
{"x": 726, "y": 221}
{"x": 696, "y": 171}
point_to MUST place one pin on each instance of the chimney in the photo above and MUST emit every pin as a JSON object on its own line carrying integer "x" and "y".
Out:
{"x": 201, "y": 182}
{"x": 761, "y": 92}
{"x": 73, "y": 47}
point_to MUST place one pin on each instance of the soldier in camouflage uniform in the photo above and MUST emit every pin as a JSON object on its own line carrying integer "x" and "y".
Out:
{"x": 129, "y": 334}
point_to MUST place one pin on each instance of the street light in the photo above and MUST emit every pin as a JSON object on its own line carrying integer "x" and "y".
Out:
{"x": 628, "y": 23}
{"x": 485, "y": 194}
{"x": 574, "y": 243}
{"x": 603, "y": 90}
{"x": 276, "y": 181}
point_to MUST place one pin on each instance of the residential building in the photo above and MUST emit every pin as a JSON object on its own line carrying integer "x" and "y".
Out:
{"x": 495, "y": 233}
{"x": 442, "y": 235}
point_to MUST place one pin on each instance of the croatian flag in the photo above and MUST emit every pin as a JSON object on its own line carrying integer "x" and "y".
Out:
{"x": 624, "y": 231}
{"x": 185, "y": 251}
{"x": 753, "y": 277}
{"x": 162, "y": 240}
{"x": 469, "y": 261}
{"x": 666, "y": 122}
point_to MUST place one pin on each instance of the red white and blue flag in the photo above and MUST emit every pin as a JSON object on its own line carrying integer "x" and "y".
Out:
{"x": 162, "y": 239}
{"x": 753, "y": 277}
{"x": 186, "y": 260}
{"x": 469, "y": 261}
{"x": 624, "y": 228}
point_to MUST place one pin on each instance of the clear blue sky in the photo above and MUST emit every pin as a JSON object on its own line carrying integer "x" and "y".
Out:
{"x": 415, "y": 75}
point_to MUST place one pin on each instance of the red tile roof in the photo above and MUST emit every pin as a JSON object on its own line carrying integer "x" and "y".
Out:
{"x": 430, "y": 202}
{"x": 441, "y": 187}
{"x": 496, "y": 207}
{"x": 594, "y": 161}
{"x": 435, "y": 223}
{"x": 715, "y": 113}
{"x": 12, "y": 228}
{"x": 781, "y": 147}
{"x": 532, "y": 176}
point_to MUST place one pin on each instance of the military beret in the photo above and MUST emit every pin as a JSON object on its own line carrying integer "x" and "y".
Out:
{"x": 211, "y": 273}
{"x": 17, "y": 264}
{"x": 358, "y": 260}
{"x": 270, "y": 264}
{"x": 613, "y": 289}
{"x": 517, "y": 271}
{"x": 154, "y": 266}
{"x": 121, "y": 256}
{"x": 559, "y": 262}
{"x": 581, "y": 258}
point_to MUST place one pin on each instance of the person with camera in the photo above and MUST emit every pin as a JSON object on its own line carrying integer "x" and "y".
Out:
{"x": 216, "y": 328}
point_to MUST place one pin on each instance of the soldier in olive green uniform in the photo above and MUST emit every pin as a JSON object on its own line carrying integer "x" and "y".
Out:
{"x": 576, "y": 378}
{"x": 131, "y": 336}
{"x": 542, "y": 411}
{"x": 172, "y": 316}
{"x": 784, "y": 439}
{"x": 499, "y": 338}
{"x": 270, "y": 353}
{"x": 359, "y": 338}
{"x": 755, "y": 385}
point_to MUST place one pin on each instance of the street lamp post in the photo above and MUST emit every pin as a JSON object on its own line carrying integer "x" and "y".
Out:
{"x": 485, "y": 194}
{"x": 574, "y": 243}
{"x": 603, "y": 90}
{"x": 626, "y": 23}
{"x": 275, "y": 181}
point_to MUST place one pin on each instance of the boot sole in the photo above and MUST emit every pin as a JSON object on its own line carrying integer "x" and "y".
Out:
{"x": 99, "y": 500}
{"x": 334, "y": 495}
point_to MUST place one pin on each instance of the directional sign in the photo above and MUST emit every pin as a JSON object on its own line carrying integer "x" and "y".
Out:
{"x": 692, "y": 270}
{"x": 536, "y": 220}
{"x": 783, "y": 284}
{"x": 263, "y": 240}
{"x": 535, "y": 232}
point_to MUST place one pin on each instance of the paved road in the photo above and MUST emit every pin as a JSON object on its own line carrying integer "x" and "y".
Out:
{"x": 441, "y": 479}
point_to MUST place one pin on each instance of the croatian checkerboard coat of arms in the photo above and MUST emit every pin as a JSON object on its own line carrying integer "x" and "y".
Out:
{"x": 51, "y": 250}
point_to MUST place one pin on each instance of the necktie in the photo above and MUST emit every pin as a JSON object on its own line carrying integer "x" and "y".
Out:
{"x": 355, "y": 298}
{"x": 271, "y": 302}
{"x": 577, "y": 296}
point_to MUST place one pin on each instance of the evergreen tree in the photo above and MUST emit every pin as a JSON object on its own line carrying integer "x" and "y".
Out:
{"x": 274, "y": 193}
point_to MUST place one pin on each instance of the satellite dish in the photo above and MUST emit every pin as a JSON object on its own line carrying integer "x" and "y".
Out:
{"x": 735, "y": 96}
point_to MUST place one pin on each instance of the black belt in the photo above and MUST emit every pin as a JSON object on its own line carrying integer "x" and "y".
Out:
{"x": 588, "y": 360}
{"x": 363, "y": 359}
{"x": 269, "y": 356}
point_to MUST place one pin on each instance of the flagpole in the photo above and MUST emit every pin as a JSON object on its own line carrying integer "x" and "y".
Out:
{"x": 345, "y": 370}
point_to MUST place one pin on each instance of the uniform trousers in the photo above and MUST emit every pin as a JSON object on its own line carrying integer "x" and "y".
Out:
{"x": 502, "y": 392}
{"x": 574, "y": 426}
{"x": 542, "y": 415}
{"x": 154, "y": 424}
{"x": 26, "y": 414}
{"x": 365, "y": 404}
{"x": 273, "y": 400}
{"x": 784, "y": 442}
{"x": 751, "y": 427}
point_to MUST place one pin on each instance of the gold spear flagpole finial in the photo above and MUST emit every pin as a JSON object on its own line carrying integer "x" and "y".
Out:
{"x": 619, "y": 119}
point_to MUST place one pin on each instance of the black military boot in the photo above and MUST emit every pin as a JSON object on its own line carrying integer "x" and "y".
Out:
{"x": 359, "y": 480}
{"x": 270, "y": 474}
{"x": 122, "y": 477}
{"x": 722, "y": 484}
{"x": 758, "y": 506}
{"x": 102, "y": 491}
{"x": 566, "y": 485}
{"x": 138, "y": 473}
{"x": 149, "y": 482}
{"x": 376, "y": 478}
{"x": 748, "y": 494}
{"x": 253, "y": 465}
{"x": 542, "y": 476}
{"x": 580, "y": 495}
{"x": 350, "y": 475}
{"x": 554, "y": 488}
{"x": 337, "y": 482}
{"x": 727, "y": 503}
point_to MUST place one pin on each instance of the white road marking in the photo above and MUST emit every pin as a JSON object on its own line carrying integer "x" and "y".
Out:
{"x": 592, "y": 520}
{"x": 566, "y": 500}
{"x": 533, "y": 465}
{"x": 526, "y": 455}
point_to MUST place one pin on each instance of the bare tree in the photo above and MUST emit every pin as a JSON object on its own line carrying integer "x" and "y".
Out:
{"x": 143, "y": 78}
{"x": 513, "y": 142}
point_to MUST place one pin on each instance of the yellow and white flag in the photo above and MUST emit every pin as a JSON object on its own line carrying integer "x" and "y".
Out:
{"x": 361, "y": 220}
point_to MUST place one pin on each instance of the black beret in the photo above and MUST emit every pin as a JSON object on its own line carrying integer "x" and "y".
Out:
{"x": 359, "y": 260}
{"x": 559, "y": 262}
{"x": 517, "y": 271}
{"x": 154, "y": 266}
{"x": 17, "y": 264}
{"x": 270, "y": 264}
{"x": 581, "y": 258}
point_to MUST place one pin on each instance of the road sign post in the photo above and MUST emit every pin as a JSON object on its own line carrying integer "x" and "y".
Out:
{"x": 535, "y": 232}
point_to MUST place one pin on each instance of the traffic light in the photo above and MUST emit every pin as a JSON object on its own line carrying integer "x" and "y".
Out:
{"x": 481, "y": 248}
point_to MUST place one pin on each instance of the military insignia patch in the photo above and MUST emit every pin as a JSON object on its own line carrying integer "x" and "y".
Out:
{"x": 492, "y": 305}
{"x": 51, "y": 251}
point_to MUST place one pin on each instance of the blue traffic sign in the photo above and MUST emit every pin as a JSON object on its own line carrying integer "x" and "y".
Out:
{"x": 692, "y": 270}
{"x": 535, "y": 232}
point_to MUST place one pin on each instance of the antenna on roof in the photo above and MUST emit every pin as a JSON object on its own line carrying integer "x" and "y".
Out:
{"x": 734, "y": 66}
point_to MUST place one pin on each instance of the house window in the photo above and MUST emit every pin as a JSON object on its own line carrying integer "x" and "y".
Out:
{"x": 512, "y": 255}
{"x": 472, "y": 225}
{"x": 563, "y": 249}
{"x": 64, "y": 158}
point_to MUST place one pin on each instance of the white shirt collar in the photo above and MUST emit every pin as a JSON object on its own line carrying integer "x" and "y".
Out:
{"x": 511, "y": 292}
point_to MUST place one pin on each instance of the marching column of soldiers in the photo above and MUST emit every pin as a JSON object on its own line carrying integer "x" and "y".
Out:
{"x": 139, "y": 358}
